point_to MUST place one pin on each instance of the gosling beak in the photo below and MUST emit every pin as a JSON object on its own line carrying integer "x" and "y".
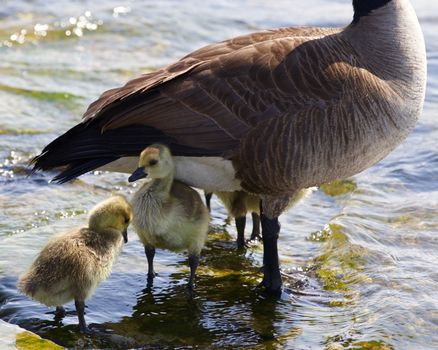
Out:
{"x": 125, "y": 235}
{"x": 137, "y": 174}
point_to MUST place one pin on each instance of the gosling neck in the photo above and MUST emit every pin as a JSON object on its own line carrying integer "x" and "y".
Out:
{"x": 94, "y": 224}
{"x": 160, "y": 186}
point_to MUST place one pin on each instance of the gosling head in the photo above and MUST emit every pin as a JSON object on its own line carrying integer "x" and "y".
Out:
{"x": 155, "y": 162}
{"x": 114, "y": 213}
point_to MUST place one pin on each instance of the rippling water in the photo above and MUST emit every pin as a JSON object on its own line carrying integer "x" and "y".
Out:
{"x": 359, "y": 257}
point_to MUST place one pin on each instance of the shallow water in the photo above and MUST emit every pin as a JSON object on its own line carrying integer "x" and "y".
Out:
{"x": 359, "y": 257}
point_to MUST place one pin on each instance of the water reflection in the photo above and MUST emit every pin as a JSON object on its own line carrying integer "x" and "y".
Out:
{"x": 73, "y": 26}
{"x": 225, "y": 308}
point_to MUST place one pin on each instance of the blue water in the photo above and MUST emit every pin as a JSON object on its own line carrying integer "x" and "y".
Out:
{"x": 359, "y": 264}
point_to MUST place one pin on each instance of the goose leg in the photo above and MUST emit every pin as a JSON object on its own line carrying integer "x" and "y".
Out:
{"x": 208, "y": 199}
{"x": 193, "y": 263}
{"x": 271, "y": 267}
{"x": 150, "y": 253}
{"x": 240, "y": 226}
{"x": 80, "y": 309}
{"x": 255, "y": 227}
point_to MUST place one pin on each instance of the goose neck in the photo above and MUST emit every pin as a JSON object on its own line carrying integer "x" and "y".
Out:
{"x": 389, "y": 39}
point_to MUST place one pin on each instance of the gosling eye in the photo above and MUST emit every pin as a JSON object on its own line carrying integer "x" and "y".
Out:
{"x": 127, "y": 221}
{"x": 153, "y": 162}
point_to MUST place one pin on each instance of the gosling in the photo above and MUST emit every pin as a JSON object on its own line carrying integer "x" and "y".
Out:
{"x": 238, "y": 204}
{"x": 73, "y": 264}
{"x": 167, "y": 213}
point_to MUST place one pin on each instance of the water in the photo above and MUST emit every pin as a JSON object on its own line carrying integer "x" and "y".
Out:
{"x": 359, "y": 257}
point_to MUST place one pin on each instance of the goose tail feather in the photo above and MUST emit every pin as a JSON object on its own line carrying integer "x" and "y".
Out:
{"x": 85, "y": 147}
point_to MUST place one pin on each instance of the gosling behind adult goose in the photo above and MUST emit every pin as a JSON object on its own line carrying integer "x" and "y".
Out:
{"x": 73, "y": 264}
{"x": 167, "y": 213}
{"x": 270, "y": 113}
{"x": 238, "y": 204}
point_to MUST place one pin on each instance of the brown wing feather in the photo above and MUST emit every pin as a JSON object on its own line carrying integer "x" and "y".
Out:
{"x": 251, "y": 99}
{"x": 148, "y": 81}
{"x": 214, "y": 96}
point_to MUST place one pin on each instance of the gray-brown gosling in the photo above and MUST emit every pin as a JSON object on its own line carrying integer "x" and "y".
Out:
{"x": 167, "y": 213}
{"x": 71, "y": 265}
{"x": 238, "y": 204}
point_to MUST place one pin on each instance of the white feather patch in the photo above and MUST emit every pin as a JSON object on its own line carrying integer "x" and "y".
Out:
{"x": 209, "y": 173}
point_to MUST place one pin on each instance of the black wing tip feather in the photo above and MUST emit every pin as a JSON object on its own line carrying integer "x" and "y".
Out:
{"x": 74, "y": 171}
{"x": 84, "y": 148}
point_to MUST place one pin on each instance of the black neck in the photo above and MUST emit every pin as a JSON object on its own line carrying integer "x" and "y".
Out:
{"x": 364, "y": 7}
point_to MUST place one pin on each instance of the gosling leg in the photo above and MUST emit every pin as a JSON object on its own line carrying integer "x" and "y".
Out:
{"x": 150, "y": 253}
{"x": 208, "y": 200}
{"x": 59, "y": 312}
{"x": 193, "y": 263}
{"x": 80, "y": 309}
{"x": 255, "y": 227}
{"x": 271, "y": 267}
{"x": 240, "y": 226}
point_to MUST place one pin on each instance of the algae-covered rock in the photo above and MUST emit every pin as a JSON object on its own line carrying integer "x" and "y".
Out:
{"x": 15, "y": 337}
{"x": 30, "y": 341}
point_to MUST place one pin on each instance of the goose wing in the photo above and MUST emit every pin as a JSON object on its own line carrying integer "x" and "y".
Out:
{"x": 204, "y": 104}
{"x": 148, "y": 81}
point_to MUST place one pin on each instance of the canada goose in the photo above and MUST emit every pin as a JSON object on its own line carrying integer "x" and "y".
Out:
{"x": 167, "y": 213}
{"x": 238, "y": 203}
{"x": 71, "y": 265}
{"x": 269, "y": 113}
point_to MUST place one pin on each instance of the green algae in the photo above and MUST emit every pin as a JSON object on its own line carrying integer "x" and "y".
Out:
{"x": 30, "y": 341}
{"x": 319, "y": 236}
{"x": 20, "y": 131}
{"x": 340, "y": 265}
{"x": 37, "y": 94}
{"x": 69, "y": 213}
{"x": 339, "y": 187}
{"x": 332, "y": 278}
{"x": 371, "y": 345}
{"x": 13, "y": 36}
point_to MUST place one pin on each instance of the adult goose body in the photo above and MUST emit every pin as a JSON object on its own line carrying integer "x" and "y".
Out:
{"x": 269, "y": 113}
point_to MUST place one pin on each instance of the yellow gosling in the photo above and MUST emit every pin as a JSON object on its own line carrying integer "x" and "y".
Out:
{"x": 167, "y": 213}
{"x": 71, "y": 265}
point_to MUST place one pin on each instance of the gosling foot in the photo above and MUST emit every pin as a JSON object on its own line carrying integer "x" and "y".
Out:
{"x": 190, "y": 287}
{"x": 193, "y": 263}
{"x": 150, "y": 253}
{"x": 253, "y": 239}
{"x": 80, "y": 309}
{"x": 59, "y": 313}
{"x": 240, "y": 226}
{"x": 150, "y": 277}
{"x": 241, "y": 245}
{"x": 255, "y": 235}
